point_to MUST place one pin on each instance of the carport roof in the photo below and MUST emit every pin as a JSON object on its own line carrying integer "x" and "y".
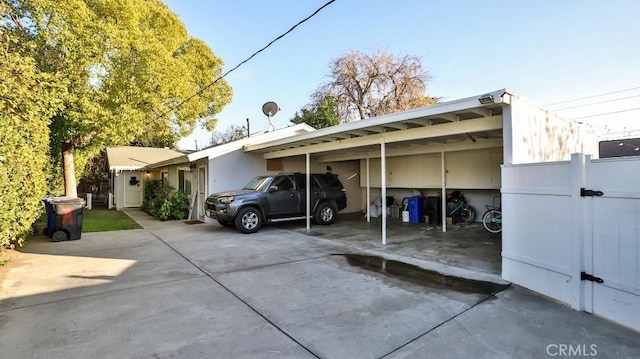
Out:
{"x": 460, "y": 121}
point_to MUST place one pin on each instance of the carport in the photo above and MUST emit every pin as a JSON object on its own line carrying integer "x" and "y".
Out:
{"x": 456, "y": 144}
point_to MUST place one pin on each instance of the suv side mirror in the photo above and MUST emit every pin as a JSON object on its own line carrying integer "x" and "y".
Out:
{"x": 273, "y": 188}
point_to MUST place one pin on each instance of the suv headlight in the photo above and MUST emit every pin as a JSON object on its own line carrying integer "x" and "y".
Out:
{"x": 226, "y": 200}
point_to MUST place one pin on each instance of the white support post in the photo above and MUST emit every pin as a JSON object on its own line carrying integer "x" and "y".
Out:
{"x": 579, "y": 287}
{"x": 89, "y": 203}
{"x": 444, "y": 193}
{"x": 368, "y": 194}
{"x": 383, "y": 172}
{"x": 308, "y": 191}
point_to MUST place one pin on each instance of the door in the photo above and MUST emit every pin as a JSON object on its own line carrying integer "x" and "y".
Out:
{"x": 202, "y": 191}
{"x": 285, "y": 201}
{"x": 612, "y": 245}
{"x": 132, "y": 189}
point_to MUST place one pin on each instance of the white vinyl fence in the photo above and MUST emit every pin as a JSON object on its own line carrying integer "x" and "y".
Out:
{"x": 571, "y": 231}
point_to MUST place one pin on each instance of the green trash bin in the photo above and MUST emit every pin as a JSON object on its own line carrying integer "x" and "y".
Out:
{"x": 68, "y": 218}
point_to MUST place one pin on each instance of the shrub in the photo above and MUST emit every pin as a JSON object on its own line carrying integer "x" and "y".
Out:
{"x": 26, "y": 106}
{"x": 164, "y": 202}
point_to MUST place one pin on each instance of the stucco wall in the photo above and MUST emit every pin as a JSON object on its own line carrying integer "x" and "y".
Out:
{"x": 233, "y": 170}
{"x": 344, "y": 170}
{"x": 533, "y": 134}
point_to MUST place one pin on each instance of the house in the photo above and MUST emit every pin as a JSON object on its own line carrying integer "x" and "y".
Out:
{"x": 127, "y": 166}
{"x": 218, "y": 168}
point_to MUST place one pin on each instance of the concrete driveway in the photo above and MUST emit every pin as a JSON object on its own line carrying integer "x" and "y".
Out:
{"x": 174, "y": 290}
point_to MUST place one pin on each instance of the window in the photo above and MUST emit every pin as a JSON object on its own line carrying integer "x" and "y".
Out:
{"x": 184, "y": 181}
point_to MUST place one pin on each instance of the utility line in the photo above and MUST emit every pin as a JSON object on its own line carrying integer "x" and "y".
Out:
{"x": 596, "y": 103}
{"x": 246, "y": 60}
{"x": 588, "y": 97}
{"x": 606, "y": 113}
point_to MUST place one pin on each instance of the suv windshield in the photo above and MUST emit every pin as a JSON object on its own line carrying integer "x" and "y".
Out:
{"x": 258, "y": 184}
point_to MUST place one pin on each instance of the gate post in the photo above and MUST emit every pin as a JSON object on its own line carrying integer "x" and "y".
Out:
{"x": 577, "y": 216}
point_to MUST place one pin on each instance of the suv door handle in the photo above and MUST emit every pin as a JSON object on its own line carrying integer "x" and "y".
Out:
{"x": 291, "y": 194}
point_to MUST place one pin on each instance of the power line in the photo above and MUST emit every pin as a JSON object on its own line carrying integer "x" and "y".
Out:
{"x": 588, "y": 97}
{"x": 245, "y": 60}
{"x": 606, "y": 113}
{"x": 596, "y": 103}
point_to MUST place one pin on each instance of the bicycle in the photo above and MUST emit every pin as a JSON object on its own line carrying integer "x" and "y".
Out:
{"x": 458, "y": 209}
{"x": 492, "y": 219}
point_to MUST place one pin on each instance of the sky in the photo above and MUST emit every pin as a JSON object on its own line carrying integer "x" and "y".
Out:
{"x": 579, "y": 58}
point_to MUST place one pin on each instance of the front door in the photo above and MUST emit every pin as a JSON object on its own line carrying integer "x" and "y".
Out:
{"x": 612, "y": 241}
{"x": 132, "y": 189}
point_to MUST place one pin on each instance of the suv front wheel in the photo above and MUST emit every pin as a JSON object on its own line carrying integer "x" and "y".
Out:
{"x": 248, "y": 220}
{"x": 325, "y": 213}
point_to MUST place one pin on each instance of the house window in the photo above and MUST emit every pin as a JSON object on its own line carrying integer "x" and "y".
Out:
{"x": 275, "y": 164}
{"x": 184, "y": 181}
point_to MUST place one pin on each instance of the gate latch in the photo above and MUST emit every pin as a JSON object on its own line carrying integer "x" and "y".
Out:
{"x": 590, "y": 193}
{"x": 585, "y": 276}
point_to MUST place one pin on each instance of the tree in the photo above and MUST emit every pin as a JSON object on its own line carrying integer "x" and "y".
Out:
{"x": 318, "y": 116}
{"x": 129, "y": 67}
{"x": 232, "y": 133}
{"x": 369, "y": 85}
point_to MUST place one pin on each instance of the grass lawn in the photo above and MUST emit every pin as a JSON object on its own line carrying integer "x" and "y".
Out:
{"x": 102, "y": 220}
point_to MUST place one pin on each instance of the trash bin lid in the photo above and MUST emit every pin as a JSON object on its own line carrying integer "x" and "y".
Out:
{"x": 66, "y": 200}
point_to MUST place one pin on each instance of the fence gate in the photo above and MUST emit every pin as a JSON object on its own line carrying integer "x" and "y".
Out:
{"x": 611, "y": 277}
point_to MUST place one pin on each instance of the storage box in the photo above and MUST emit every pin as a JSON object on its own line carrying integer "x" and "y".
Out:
{"x": 405, "y": 216}
{"x": 426, "y": 219}
{"x": 449, "y": 221}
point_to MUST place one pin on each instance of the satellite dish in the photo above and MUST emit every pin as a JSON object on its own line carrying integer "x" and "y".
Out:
{"x": 270, "y": 108}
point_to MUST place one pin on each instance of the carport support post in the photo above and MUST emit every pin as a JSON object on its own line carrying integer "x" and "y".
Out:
{"x": 444, "y": 193}
{"x": 308, "y": 191}
{"x": 383, "y": 173}
{"x": 368, "y": 194}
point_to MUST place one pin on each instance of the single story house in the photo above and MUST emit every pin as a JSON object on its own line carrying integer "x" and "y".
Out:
{"x": 127, "y": 172}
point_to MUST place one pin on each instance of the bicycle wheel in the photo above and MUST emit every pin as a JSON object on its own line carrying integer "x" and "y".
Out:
{"x": 464, "y": 215}
{"x": 492, "y": 221}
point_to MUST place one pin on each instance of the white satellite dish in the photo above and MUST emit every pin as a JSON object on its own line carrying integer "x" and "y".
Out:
{"x": 269, "y": 109}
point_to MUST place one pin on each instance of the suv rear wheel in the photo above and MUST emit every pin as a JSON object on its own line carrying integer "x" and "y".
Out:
{"x": 325, "y": 213}
{"x": 248, "y": 220}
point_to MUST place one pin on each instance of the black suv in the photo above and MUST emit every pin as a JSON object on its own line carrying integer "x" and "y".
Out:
{"x": 277, "y": 198}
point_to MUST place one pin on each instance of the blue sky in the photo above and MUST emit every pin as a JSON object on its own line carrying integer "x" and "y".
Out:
{"x": 546, "y": 51}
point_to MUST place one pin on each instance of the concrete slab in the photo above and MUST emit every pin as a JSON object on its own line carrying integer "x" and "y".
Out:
{"x": 521, "y": 324}
{"x": 99, "y": 262}
{"x": 175, "y": 290}
{"x": 189, "y": 318}
{"x": 339, "y": 311}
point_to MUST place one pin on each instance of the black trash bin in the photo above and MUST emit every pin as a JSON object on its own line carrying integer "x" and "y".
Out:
{"x": 64, "y": 218}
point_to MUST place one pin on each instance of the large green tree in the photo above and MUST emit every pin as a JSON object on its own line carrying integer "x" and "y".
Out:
{"x": 132, "y": 73}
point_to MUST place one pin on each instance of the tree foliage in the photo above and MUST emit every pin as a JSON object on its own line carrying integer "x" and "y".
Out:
{"x": 318, "y": 115}
{"x": 87, "y": 74}
{"x": 232, "y": 133}
{"x": 368, "y": 85}
{"x": 128, "y": 65}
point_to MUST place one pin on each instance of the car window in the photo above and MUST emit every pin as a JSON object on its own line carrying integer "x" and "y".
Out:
{"x": 284, "y": 183}
{"x": 330, "y": 181}
{"x": 259, "y": 183}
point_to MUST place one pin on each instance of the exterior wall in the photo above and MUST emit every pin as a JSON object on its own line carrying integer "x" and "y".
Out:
{"x": 343, "y": 169}
{"x": 533, "y": 134}
{"x": 233, "y": 170}
{"x": 476, "y": 173}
